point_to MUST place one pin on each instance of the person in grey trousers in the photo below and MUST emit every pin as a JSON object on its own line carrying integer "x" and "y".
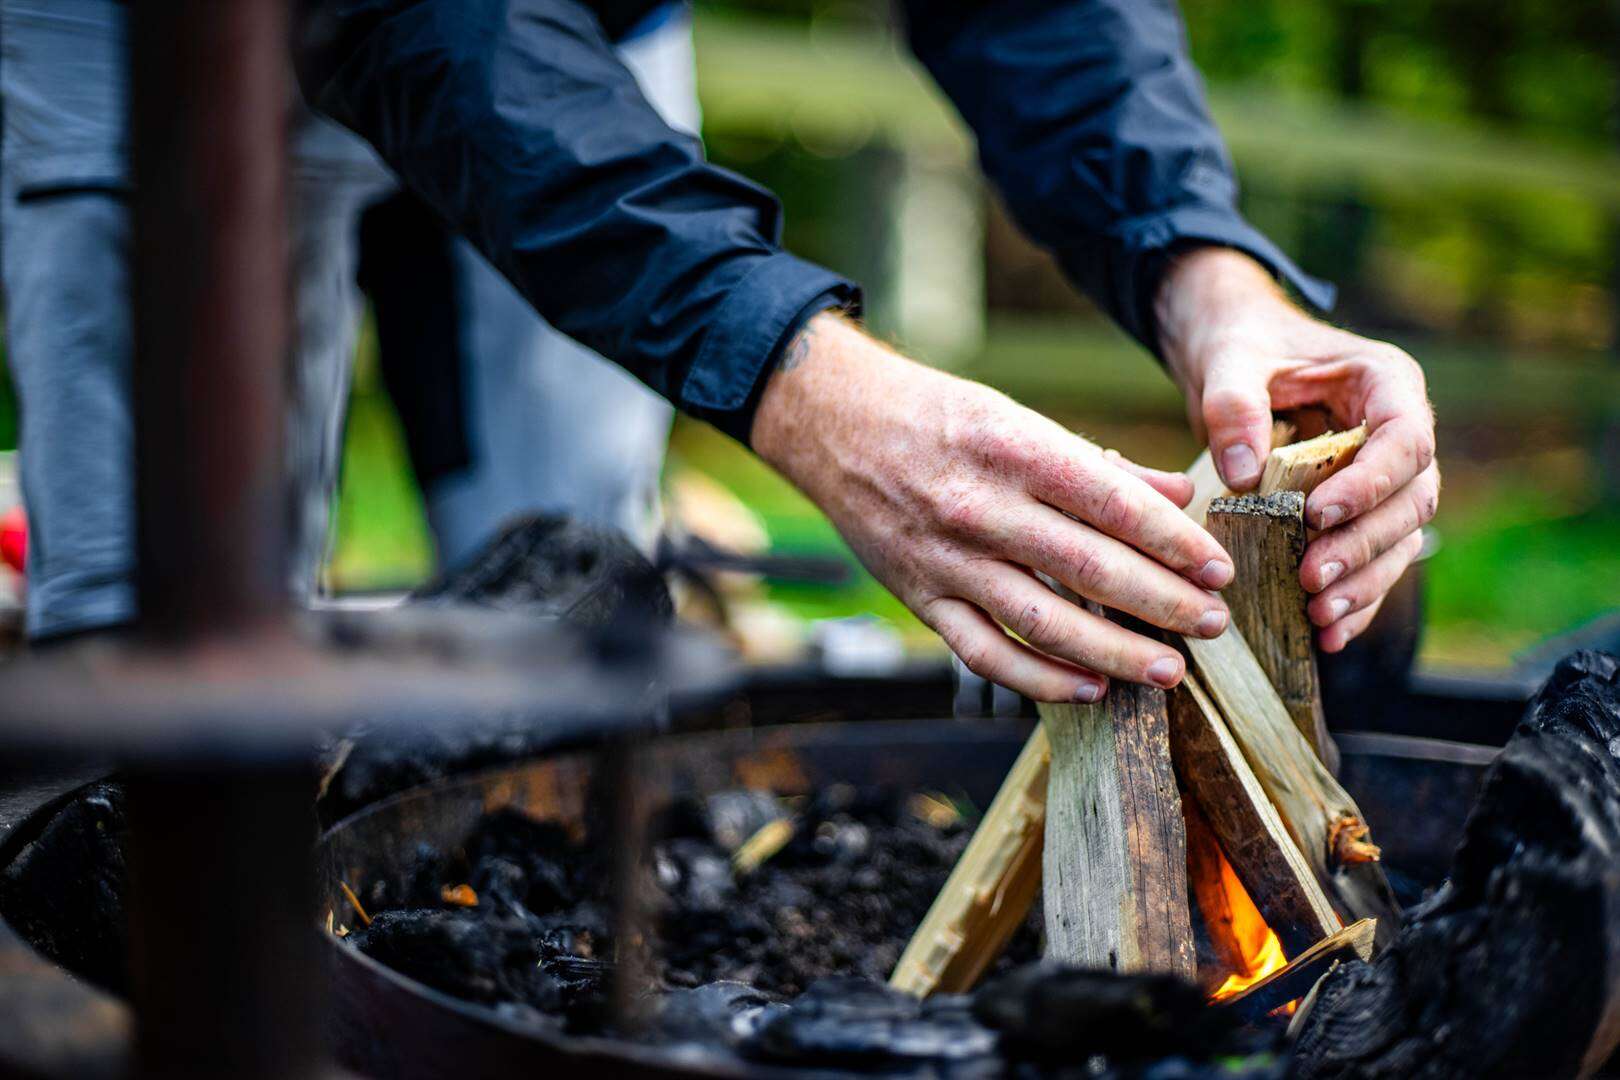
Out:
{"x": 532, "y": 399}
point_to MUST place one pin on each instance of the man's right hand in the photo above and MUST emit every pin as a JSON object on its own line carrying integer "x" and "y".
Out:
{"x": 955, "y": 497}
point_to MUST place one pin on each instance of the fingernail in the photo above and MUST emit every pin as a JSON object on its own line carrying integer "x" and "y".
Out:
{"x": 1337, "y": 608}
{"x": 1088, "y": 693}
{"x": 1239, "y": 464}
{"x": 1215, "y": 574}
{"x": 1212, "y": 623}
{"x": 1332, "y": 515}
{"x": 1330, "y": 573}
{"x": 1164, "y": 671}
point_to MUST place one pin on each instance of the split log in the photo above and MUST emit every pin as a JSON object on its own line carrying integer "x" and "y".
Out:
{"x": 1303, "y": 465}
{"x": 1293, "y": 982}
{"x": 1207, "y": 483}
{"x": 1265, "y": 535}
{"x": 1319, "y": 814}
{"x": 990, "y": 888}
{"x": 993, "y": 883}
{"x": 1513, "y": 967}
{"x": 1239, "y": 815}
{"x": 1115, "y": 868}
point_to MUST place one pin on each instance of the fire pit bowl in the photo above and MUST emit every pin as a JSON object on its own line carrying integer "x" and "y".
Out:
{"x": 384, "y": 1023}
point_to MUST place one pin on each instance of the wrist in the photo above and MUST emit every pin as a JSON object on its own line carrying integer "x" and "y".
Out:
{"x": 826, "y": 356}
{"x": 1205, "y": 293}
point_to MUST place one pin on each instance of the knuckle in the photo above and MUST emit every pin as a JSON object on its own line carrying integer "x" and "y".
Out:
{"x": 963, "y": 512}
{"x": 1036, "y": 620}
{"x": 1090, "y": 570}
{"x": 1121, "y": 511}
{"x": 977, "y": 656}
{"x": 1227, "y": 405}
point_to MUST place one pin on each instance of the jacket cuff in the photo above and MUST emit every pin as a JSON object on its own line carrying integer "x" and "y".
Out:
{"x": 748, "y": 333}
{"x": 1148, "y": 243}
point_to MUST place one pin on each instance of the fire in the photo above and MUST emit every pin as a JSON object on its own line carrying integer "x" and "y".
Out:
{"x": 1259, "y": 947}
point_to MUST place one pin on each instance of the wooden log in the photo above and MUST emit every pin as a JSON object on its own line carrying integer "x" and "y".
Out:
{"x": 1234, "y": 807}
{"x": 1265, "y": 535}
{"x": 1290, "y": 983}
{"x": 1303, "y": 465}
{"x": 1207, "y": 483}
{"x": 1321, "y": 817}
{"x": 1513, "y": 969}
{"x": 1115, "y": 867}
{"x": 990, "y": 888}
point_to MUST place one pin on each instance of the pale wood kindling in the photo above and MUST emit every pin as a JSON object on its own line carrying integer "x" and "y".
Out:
{"x": 990, "y": 888}
{"x": 1115, "y": 867}
{"x": 1265, "y": 535}
{"x": 1232, "y": 805}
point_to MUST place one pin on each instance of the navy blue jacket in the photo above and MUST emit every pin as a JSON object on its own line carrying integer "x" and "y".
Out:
{"x": 515, "y": 120}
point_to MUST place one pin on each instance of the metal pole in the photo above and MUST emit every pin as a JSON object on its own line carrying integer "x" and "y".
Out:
{"x": 210, "y": 99}
{"x": 223, "y": 968}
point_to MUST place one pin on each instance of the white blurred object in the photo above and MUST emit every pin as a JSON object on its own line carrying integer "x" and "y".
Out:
{"x": 860, "y": 645}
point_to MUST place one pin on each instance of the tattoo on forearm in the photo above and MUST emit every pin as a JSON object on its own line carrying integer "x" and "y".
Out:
{"x": 798, "y": 348}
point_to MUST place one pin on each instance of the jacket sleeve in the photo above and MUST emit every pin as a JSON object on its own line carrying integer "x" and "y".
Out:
{"x": 1091, "y": 121}
{"x": 517, "y": 123}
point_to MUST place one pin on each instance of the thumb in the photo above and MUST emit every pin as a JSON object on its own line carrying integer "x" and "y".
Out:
{"x": 1237, "y": 414}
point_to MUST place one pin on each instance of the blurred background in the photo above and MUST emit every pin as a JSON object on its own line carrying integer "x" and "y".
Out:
{"x": 1453, "y": 167}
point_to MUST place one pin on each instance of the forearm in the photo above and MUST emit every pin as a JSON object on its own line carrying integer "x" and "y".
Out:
{"x": 517, "y": 123}
{"x": 1091, "y": 120}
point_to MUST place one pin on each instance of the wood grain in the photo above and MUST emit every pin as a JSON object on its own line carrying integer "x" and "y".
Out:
{"x": 1115, "y": 867}
{"x": 990, "y": 889}
{"x": 1229, "y": 801}
{"x": 1316, "y": 811}
{"x": 1265, "y": 535}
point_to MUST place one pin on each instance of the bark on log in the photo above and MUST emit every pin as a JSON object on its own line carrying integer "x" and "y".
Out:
{"x": 1241, "y": 819}
{"x": 1320, "y": 816}
{"x": 1265, "y": 535}
{"x": 1115, "y": 867}
{"x": 1513, "y": 968}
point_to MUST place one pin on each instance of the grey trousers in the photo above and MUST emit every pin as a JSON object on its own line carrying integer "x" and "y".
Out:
{"x": 557, "y": 427}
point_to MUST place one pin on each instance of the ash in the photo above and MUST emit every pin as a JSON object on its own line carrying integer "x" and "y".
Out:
{"x": 785, "y": 963}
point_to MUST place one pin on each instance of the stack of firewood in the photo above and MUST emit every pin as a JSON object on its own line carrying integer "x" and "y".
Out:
{"x": 1134, "y": 815}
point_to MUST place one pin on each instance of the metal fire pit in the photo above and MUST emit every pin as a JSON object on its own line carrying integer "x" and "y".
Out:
{"x": 386, "y": 1024}
{"x": 1416, "y": 793}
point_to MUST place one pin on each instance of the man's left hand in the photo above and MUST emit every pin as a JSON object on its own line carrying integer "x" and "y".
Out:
{"x": 1240, "y": 351}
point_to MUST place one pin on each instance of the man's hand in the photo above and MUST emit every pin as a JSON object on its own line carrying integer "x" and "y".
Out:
{"x": 955, "y": 497}
{"x": 1240, "y": 350}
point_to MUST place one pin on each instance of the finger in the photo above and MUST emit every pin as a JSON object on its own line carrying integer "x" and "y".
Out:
{"x": 1340, "y": 552}
{"x": 1102, "y": 569}
{"x": 1061, "y": 628}
{"x": 1341, "y": 633}
{"x": 1129, "y": 509}
{"x": 1175, "y": 486}
{"x": 1237, "y": 414}
{"x": 989, "y": 653}
{"x": 1366, "y": 586}
{"x": 1400, "y": 446}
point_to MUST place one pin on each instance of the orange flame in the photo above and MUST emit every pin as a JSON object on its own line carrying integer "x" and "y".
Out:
{"x": 1259, "y": 947}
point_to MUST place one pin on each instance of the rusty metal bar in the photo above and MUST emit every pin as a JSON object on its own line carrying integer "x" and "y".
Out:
{"x": 210, "y": 94}
{"x": 223, "y": 970}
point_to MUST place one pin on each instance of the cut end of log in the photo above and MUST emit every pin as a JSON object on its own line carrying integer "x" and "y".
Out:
{"x": 1285, "y": 505}
{"x": 1347, "y": 840}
